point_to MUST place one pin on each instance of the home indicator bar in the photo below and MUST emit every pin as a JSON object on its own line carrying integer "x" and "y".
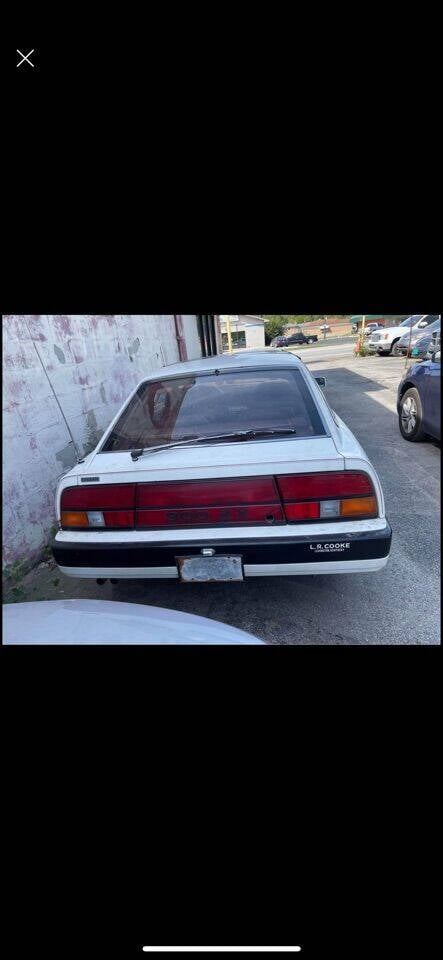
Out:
{"x": 222, "y": 949}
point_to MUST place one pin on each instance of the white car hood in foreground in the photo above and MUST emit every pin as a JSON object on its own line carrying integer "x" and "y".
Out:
{"x": 107, "y": 622}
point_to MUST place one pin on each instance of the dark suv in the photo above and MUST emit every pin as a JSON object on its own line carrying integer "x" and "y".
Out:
{"x": 278, "y": 342}
{"x": 300, "y": 337}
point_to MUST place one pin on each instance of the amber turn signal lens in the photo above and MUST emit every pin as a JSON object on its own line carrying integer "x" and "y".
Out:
{"x": 359, "y": 507}
{"x": 74, "y": 518}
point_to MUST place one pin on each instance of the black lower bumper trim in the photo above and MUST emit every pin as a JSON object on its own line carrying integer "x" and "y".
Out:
{"x": 370, "y": 545}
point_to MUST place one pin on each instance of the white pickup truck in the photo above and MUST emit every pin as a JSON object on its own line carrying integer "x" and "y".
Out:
{"x": 383, "y": 341}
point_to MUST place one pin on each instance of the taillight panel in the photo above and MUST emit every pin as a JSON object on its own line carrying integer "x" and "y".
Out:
{"x": 208, "y": 493}
{"x": 327, "y": 496}
{"x": 211, "y": 516}
{"x": 299, "y": 498}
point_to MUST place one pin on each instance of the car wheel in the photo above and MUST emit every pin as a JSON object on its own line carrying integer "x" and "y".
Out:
{"x": 410, "y": 418}
{"x": 310, "y": 340}
{"x": 391, "y": 349}
{"x": 396, "y": 352}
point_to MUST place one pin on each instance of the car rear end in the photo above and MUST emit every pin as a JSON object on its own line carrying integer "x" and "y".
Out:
{"x": 379, "y": 342}
{"x": 433, "y": 347}
{"x": 371, "y": 328}
{"x": 373, "y": 341}
{"x": 404, "y": 346}
{"x": 423, "y": 341}
{"x": 302, "y": 504}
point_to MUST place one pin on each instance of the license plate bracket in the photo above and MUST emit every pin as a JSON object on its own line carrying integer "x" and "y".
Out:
{"x": 198, "y": 569}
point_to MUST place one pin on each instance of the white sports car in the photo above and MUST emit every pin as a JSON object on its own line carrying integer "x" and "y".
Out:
{"x": 221, "y": 469}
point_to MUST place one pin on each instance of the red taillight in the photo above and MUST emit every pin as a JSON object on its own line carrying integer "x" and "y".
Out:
{"x": 106, "y": 496}
{"x": 207, "y": 493}
{"x": 312, "y": 486}
{"x": 302, "y": 511}
{"x": 119, "y": 518}
{"x": 109, "y": 498}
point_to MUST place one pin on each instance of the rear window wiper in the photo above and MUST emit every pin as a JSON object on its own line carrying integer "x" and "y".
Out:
{"x": 237, "y": 435}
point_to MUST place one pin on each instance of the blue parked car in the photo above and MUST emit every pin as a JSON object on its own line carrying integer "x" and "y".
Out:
{"x": 418, "y": 398}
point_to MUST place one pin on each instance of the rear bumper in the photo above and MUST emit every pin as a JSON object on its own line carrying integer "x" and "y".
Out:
{"x": 361, "y": 552}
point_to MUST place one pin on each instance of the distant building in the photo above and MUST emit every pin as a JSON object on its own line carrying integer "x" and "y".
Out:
{"x": 385, "y": 320}
{"x": 247, "y": 331}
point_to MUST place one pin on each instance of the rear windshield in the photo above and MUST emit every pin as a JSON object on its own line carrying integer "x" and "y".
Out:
{"x": 411, "y": 321}
{"x": 429, "y": 330}
{"x": 163, "y": 411}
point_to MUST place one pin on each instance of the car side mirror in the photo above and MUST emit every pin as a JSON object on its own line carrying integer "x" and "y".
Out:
{"x": 321, "y": 381}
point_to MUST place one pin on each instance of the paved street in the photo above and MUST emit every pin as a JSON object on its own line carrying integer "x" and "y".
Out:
{"x": 397, "y": 605}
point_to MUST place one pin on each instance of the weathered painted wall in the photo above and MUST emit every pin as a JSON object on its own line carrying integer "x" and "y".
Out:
{"x": 218, "y": 335}
{"x": 93, "y": 362}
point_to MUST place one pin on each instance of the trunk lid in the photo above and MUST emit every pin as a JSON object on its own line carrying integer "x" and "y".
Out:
{"x": 244, "y": 458}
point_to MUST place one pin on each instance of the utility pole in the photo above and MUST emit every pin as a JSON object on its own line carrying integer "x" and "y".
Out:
{"x": 228, "y": 331}
{"x": 362, "y": 333}
{"x": 408, "y": 351}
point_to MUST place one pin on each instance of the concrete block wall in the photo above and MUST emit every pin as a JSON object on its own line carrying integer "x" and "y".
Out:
{"x": 255, "y": 336}
{"x": 93, "y": 362}
{"x": 340, "y": 327}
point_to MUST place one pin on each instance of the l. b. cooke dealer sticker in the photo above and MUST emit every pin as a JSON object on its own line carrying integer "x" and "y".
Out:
{"x": 329, "y": 547}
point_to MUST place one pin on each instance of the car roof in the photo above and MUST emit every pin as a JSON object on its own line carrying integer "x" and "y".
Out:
{"x": 230, "y": 361}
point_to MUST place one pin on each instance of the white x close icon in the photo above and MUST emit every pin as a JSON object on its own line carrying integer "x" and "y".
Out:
{"x": 25, "y": 57}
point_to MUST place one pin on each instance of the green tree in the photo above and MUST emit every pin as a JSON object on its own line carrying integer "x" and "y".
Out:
{"x": 274, "y": 327}
{"x": 277, "y": 322}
